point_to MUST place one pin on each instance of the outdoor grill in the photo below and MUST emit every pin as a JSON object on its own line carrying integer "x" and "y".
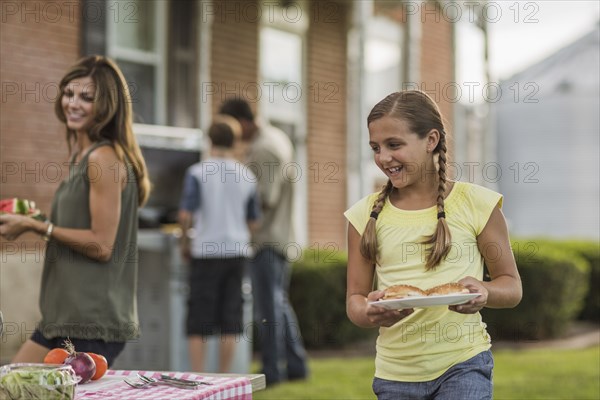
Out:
{"x": 162, "y": 274}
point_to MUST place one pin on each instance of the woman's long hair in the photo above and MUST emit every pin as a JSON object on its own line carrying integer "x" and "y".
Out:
{"x": 422, "y": 115}
{"x": 113, "y": 115}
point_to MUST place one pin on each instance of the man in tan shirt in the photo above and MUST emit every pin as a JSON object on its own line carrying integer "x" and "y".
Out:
{"x": 270, "y": 152}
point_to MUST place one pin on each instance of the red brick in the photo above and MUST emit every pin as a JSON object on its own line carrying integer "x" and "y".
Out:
{"x": 33, "y": 53}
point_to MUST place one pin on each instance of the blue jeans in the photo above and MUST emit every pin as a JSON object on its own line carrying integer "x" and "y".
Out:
{"x": 469, "y": 380}
{"x": 282, "y": 350}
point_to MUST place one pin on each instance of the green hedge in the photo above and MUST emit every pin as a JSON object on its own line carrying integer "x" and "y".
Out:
{"x": 555, "y": 283}
{"x": 560, "y": 283}
{"x": 318, "y": 295}
{"x": 591, "y": 252}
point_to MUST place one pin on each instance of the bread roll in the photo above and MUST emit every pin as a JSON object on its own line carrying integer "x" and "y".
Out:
{"x": 402, "y": 291}
{"x": 447, "y": 288}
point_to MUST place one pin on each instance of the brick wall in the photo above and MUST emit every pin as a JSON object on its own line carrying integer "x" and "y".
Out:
{"x": 437, "y": 61}
{"x": 437, "y": 51}
{"x": 234, "y": 53}
{"x": 326, "y": 141}
{"x": 234, "y": 71}
{"x": 234, "y": 59}
{"x": 38, "y": 43}
{"x": 39, "y": 40}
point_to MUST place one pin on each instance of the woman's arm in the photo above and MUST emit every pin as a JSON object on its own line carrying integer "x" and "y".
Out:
{"x": 504, "y": 290}
{"x": 107, "y": 177}
{"x": 106, "y": 184}
{"x": 14, "y": 225}
{"x": 359, "y": 285}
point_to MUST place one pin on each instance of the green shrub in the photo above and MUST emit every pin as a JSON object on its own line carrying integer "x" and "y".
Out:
{"x": 318, "y": 295}
{"x": 556, "y": 288}
{"x": 555, "y": 282}
{"x": 591, "y": 252}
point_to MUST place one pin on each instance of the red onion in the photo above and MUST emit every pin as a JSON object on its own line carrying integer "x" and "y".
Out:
{"x": 83, "y": 365}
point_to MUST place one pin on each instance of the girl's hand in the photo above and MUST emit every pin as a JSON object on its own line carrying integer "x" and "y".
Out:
{"x": 476, "y": 304}
{"x": 13, "y": 225}
{"x": 382, "y": 316}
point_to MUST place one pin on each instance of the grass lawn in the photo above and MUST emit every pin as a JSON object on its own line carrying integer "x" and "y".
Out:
{"x": 547, "y": 374}
{"x": 525, "y": 374}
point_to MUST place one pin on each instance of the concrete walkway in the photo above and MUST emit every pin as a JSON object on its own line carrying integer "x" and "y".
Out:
{"x": 579, "y": 336}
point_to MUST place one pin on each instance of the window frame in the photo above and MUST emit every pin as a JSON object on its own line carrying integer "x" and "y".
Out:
{"x": 300, "y": 213}
{"x": 157, "y": 58}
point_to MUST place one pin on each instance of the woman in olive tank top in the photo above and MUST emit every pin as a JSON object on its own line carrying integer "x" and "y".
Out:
{"x": 88, "y": 291}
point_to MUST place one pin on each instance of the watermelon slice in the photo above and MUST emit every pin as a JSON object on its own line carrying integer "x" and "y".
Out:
{"x": 22, "y": 207}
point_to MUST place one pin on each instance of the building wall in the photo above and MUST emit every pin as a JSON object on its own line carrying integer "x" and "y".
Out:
{"x": 234, "y": 55}
{"x": 327, "y": 134}
{"x": 548, "y": 145}
{"x": 38, "y": 44}
{"x": 233, "y": 70}
{"x": 437, "y": 61}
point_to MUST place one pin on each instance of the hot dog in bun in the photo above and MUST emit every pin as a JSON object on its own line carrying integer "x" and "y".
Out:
{"x": 402, "y": 291}
{"x": 448, "y": 288}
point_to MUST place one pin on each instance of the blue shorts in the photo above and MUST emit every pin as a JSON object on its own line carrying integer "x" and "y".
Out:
{"x": 110, "y": 350}
{"x": 469, "y": 380}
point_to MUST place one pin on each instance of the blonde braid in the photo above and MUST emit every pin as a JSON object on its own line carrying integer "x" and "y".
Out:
{"x": 368, "y": 242}
{"x": 441, "y": 239}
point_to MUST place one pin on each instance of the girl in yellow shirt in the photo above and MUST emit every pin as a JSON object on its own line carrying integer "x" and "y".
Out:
{"x": 424, "y": 230}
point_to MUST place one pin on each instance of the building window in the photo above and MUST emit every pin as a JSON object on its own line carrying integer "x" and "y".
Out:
{"x": 281, "y": 67}
{"x": 382, "y": 62}
{"x": 183, "y": 64}
{"x": 283, "y": 88}
{"x": 281, "y": 80}
{"x": 156, "y": 45}
{"x": 135, "y": 42}
{"x": 382, "y": 75}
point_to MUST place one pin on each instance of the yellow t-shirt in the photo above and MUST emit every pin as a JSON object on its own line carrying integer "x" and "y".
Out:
{"x": 424, "y": 345}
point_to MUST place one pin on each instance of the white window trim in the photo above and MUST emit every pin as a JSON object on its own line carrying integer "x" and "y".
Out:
{"x": 159, "y": 135}
{"x": 363, "y": 174}
{"x": 157, "y": 59}
{"x": 300, "y": 214}
{"x": 169, "y": 137}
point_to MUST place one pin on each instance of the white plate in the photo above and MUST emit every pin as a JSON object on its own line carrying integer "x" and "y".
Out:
{"x": 425, "y": 301}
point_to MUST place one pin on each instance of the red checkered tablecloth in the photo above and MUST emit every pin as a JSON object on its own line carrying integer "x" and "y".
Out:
{"x": 112, "y": 387}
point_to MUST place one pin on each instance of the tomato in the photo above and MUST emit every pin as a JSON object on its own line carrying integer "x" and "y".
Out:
{"x": 56, "y": 356}
{"x": 101, "y": 365}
